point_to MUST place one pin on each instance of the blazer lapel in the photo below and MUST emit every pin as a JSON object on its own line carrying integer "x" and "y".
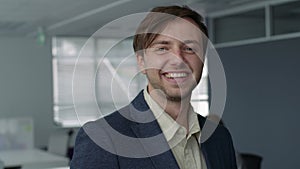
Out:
{"x": 203, "y": 146}
{"x": 152, "y": 139}
{"x": 210, "y": 148}
{"x": 156, "y": 147}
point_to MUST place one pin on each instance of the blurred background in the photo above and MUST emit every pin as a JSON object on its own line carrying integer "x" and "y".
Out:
{"x": 40, "y": 42}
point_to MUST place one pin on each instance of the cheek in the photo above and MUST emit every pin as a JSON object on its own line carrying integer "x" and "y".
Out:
{"x": 196, "y": 65}
{"x": 152, "y": 62}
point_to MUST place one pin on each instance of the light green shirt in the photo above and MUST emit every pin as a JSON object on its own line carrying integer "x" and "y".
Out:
{"x": 184, "y": 146}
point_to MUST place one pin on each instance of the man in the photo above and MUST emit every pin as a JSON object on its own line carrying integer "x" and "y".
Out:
{"x": 159, "y": 129}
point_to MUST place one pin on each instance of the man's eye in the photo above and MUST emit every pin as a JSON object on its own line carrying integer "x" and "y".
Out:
{"x": 189, "y": 50}
{"x": 161, "y": 50}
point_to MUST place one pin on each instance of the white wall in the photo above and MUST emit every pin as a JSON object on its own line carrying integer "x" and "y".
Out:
{"x": 26, "y": 84}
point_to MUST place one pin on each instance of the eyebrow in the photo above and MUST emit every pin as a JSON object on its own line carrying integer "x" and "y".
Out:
{"x": 191, "y": 41}
{"x": 161, "y": 42}
{"x": 165, "y": 42}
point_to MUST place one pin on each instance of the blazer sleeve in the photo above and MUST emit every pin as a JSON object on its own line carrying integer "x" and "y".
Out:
{"x": 88, "y": 155}
{"x": 231, "y": 151}
{"x": 219, "y": 150}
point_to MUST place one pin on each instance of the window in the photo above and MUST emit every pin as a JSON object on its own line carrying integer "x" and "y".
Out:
{"x": 200, "y": 94}
{"x": 239, "y": 26}
{"x": 286, "y": 18}
{"x": 262, "y": 22}
{"x": 65, "y": 52}
{"x": 90, "y": 92}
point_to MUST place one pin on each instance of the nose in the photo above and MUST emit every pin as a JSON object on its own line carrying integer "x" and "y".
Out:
{"x": 177, "y": 56}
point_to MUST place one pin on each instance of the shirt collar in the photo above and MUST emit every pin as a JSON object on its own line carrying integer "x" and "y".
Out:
{"x": 170, "y": 128}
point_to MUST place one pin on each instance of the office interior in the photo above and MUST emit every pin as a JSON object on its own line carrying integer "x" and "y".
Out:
{"x": 257, "y": 42}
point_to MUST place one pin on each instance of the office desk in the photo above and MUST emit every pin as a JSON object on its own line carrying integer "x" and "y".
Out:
{"x": 32, "y": 158}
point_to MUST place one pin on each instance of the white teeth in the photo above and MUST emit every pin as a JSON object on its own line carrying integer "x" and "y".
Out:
{"x": 175, "y": 75}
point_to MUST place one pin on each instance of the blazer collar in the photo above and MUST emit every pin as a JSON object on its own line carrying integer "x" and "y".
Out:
{"x": 152, "y": 138}
{"x": 165, "y": 159}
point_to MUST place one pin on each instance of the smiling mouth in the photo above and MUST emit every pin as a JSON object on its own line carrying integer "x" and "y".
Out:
{"x": 175, "y": 75}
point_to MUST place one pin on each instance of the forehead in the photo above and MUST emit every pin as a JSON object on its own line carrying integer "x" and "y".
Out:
{"x": 181, "y": 30}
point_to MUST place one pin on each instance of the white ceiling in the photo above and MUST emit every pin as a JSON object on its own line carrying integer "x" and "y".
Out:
{"x": 84, "y": 17}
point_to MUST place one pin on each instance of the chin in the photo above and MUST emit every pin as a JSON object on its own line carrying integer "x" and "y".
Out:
{"x": 178, "y": 97}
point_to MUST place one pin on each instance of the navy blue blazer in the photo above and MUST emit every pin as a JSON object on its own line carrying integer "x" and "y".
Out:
{"x": 96, "y": 146}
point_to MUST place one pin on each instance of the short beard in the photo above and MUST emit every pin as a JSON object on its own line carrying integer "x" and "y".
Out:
{"x": 173, "y": 98}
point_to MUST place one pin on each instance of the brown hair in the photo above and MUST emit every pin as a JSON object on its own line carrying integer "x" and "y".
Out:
{"x": 157, "y": 20}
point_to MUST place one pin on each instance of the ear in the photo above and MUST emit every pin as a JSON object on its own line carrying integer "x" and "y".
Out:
{"x": 141, "y": 63}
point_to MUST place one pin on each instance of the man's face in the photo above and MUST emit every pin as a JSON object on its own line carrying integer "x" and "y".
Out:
{"x": 172, "y": 62}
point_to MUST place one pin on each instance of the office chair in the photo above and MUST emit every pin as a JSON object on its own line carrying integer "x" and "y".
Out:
{"x": 251, "y": 161}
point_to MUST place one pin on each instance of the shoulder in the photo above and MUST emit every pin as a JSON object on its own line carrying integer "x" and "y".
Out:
{"x": 95, "y": 135}
{"x": 211, "y": 131}
{"x": 94, "y": 140}
{"x": 89, "y": 152}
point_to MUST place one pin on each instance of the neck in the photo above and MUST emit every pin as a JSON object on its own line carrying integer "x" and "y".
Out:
{"x": 177, "y": 109}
